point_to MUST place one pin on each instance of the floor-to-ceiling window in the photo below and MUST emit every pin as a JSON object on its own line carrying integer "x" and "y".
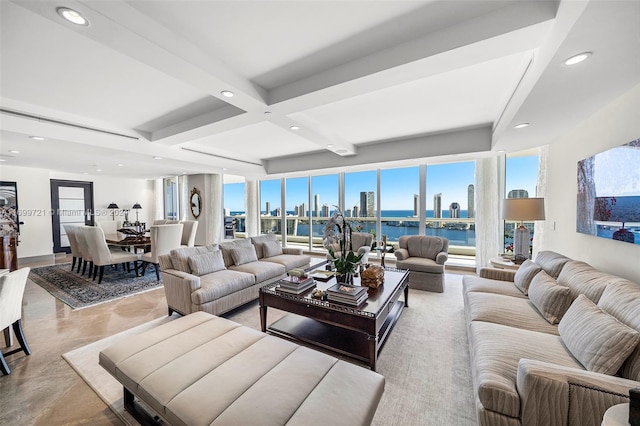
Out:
{"x": 270, "y": 208}
{"x": 450, "y": 199}
{"x": 297, "y": 208}
{"x": 399, "y": 202}
{"x": 171, "y": 198}
{"x": 360, "y": 195}
{"x": 521, "y": 177}
{"x": 324, "y": 199}
{"x": 234, "y": 206}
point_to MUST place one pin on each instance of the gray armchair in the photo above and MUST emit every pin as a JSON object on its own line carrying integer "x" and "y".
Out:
{"x": 424, "y": 257}
{"x": 361, "y": 242}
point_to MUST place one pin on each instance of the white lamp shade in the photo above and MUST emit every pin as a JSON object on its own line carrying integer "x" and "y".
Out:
{"x": 523, "y": 209}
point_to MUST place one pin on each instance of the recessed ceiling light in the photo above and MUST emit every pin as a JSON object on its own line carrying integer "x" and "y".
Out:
{"x": 98, "y": 170}
{"x": 13, "y": 151}
{"x": 502, "y": 151}
{"x": 37, "y": 138}
{"x": 120, "y": 165}
{"x": 520, "y": 126}
{"x": 224, "y": 168}
{"x": 184, "y": 173}
{"x": 267, "y": 112}
{"x": 341, "y": 151}
{"x": 85, "y": 173}
{"x": 330, "y": 145}
{"x": 227, "y": 93}
{"x": 72, "y": 16}
{"x": 576, "y": 59}
{"x": 2, "y": 159}
{"x": 157, "y": 158}
{"x": 294, "y": 127}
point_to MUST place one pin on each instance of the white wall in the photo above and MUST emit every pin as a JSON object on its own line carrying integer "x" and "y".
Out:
{"x": 34, "y": 196}
{"x": 616, "y": 124}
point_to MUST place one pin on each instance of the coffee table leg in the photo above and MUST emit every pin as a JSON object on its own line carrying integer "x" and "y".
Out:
{"x": 406, "y": 296}
{"x": 263, "y": 318}
{"x": 373, "y": 351}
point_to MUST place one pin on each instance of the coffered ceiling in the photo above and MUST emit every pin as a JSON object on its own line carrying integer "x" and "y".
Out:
{"x": 318, "y": 85}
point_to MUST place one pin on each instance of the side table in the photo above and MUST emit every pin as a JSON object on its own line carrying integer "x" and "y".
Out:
{"x": 616, "y": 415}
{"x": 502, "y": 263}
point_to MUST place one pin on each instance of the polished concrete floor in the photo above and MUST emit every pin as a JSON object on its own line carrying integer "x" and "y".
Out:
{"x": 42, "y": 389}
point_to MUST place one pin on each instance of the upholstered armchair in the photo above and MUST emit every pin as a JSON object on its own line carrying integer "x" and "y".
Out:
{"x": 424, "y": 257}
{"x": 361, "y": 242}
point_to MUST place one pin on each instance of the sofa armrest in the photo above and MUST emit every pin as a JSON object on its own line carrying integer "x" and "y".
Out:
{"x": 552, "y": 394}
{"x": 178, "y": 287}
{"x": 442, "y": 257}
{"x": 401, "y": 254}
{"x": 292, "y": 250}
{"x": 497, "y": 274}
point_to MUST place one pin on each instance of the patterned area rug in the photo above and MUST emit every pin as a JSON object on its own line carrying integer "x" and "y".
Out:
{"x": 80, "y": 291}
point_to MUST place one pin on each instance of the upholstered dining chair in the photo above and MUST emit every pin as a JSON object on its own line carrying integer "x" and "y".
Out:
{"x": 83, "y": 248}
{"x": 164, "y": 238}
{"x": 361, "y": 243}
{"x": 11, "y": 291}
{"x": 189, "y": 233}
{"x": 70, "y": 229}
{"x": 102, "y": 256}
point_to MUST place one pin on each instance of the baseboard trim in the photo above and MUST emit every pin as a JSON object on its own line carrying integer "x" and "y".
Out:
{"x": 51, "y": 258}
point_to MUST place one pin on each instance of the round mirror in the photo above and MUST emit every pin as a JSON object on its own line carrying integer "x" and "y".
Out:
{"x": 196, "y": 203}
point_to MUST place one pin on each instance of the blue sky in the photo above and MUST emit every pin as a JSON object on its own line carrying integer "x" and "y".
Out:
{"x": 397, "y": 186}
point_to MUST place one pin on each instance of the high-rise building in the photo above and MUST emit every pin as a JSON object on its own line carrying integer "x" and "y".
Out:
{"x": 316, "y": 205}
{"x": 367, "y": 204}
{"x": 437, "y": 205}
{"x": 518, "y": 193}
{"x": 356, "y": 211}
{"x": 347, "y": 213}
{"x": 303, "y": 209}
{"x": 454, "y": 210}
{"x": 325, "y": 210}
{"x": 471, "y": 198}
{"x": 268, "y": 209}
{"x": 416, "y": 204}
{"x": 278, "y": 212}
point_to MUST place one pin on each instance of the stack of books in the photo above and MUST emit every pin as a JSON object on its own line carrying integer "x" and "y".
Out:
{"x": 295, "y": 285}
{"x": 350, "y": 295}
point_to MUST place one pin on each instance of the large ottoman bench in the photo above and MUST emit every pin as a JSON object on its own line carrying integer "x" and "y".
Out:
{"x": 201, "y": 369}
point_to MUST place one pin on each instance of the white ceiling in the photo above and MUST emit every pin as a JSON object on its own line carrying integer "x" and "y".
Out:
{"x": 368, "y": 82}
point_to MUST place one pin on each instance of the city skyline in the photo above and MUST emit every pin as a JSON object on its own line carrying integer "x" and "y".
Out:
{"x": 398, "y": 187}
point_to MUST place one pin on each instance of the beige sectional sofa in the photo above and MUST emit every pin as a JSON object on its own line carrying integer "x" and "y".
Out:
{"x": 555, "y": 343}
{"x": 221, "y": 277}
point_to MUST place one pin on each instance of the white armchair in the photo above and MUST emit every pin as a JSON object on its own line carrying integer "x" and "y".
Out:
{"x": 361, "y": 243}
{"x": 12, "y": 286}
{"x": 424, "y": 256}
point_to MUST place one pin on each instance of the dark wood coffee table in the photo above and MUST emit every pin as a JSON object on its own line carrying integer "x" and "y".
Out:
{"x": 359, "y": 333}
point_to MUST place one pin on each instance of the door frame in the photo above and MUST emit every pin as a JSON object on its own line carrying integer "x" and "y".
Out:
{"x": 55, "y": 208}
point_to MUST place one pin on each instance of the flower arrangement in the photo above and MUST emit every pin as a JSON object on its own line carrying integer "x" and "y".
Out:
{"x": 345, "y": 260}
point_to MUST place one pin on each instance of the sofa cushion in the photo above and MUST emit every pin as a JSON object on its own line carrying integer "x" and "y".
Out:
{"x": 242, "y": 255}
{"x": 506, "y": 310}
{"x": 551, "y": 262}
{"x": 219, "y": 284}
{"x": 549, "y": 298}
{"x": 486, "y": 285}
{"x": 525, "y": 274}
{"x": 583, "y": 278}
{"x": 206, "y": 263}
{"x": 289, "y": 261}
{"x": 180, "y": 256}
{"x": 425, "y": 246}
{"x": 271, "y": 248}
{"x": 228, "y": 245}
{"x": 598, "y": 340}
{"x": 420, "y": 264}
{"x": 261, "y": 270}
{"x": 260, "y": 239}
{"x": 496, "y": 350}
{"x": 622, "y": 300}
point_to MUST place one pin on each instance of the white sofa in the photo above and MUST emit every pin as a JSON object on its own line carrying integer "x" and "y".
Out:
{"x": 555, "y": 343}
{"x": 221, "y": 277}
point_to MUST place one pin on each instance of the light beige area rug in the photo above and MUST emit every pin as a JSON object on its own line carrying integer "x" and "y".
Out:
{"x": 425, "y": 362}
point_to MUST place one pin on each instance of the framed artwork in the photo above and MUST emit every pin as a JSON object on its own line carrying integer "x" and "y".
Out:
{"x": 9, "y": 220}
{"x": 609, "y": 194}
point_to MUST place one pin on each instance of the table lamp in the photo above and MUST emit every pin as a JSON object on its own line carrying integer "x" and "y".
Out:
{"x": 113, "y": 207}
{"x": 137, "y": 207}
{"x": 522, "y": 209}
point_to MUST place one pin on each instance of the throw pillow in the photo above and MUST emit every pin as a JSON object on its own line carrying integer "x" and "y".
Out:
{"x": 271, "y": 248}
{"x": 242, "y": 255}
{"x": 180, "y": 257}
{"x": 206, "y": 263}
{"x": 549, "y": 298}
{"x": 525, "y": 274}
{"x": 599, "y": 341}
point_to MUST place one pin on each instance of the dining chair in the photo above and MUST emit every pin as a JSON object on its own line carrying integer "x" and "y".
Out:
{"x": 12, "y": 286}
{"x": 102, "y": 256}
{"x": 70, "y": 229}
{"x": 189, "y": 233}
{"x": 164, "y": 238}
{"x": 85, "y": 255}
